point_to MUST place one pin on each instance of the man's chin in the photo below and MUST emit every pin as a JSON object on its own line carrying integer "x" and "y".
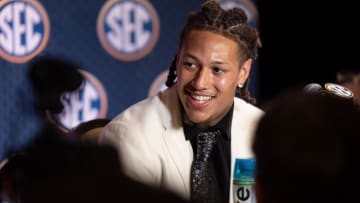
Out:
{"x": 201, "y": 121}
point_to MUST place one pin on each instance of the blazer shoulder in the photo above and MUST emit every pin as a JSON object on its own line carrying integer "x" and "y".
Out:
{"x": 139, "y": 111}
{"x": 247, "y": 108}
{"x": 161, "y": 108}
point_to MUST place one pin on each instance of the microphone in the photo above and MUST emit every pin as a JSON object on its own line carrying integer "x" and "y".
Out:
{"x": 330, "y": 89}
{"x": 312, "y": 88}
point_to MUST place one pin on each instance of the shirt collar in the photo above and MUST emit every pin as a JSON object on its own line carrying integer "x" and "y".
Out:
{"x": 224, "y": 125}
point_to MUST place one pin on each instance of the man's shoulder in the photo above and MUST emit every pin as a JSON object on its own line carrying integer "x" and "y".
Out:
{"x": 151, "y": 107}
{"x": 140, "y": 109}
{"x": 247, "y": 108}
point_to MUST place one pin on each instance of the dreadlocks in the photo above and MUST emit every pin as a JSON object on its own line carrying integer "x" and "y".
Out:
{"x": 231, "y": 24}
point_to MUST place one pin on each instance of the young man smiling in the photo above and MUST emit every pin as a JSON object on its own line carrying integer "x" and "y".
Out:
{"x": 157, "y": 138}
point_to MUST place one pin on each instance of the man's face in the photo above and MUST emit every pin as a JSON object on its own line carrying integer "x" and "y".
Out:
{"x": 208, "y": 72}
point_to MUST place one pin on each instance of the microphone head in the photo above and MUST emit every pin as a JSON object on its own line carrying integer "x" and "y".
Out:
{"x": 313, "y": 88}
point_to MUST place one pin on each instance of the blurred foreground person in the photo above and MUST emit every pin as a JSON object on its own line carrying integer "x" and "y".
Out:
{"x": 53, "y": 168}
{"x": 307, "y": 148}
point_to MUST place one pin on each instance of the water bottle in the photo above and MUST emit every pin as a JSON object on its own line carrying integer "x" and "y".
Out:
{"x": 244, "y": 180}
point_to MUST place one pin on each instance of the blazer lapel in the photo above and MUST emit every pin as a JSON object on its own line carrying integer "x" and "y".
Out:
{"x": 179, "y": 148}
{"x": 240, "y": 139}
{"x": 181, "y": 153}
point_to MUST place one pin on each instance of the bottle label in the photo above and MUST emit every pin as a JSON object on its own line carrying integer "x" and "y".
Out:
{"x": 244, "y": 193}
{"x": 244, "y": 181}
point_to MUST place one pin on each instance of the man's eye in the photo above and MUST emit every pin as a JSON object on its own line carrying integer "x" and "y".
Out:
{"x": 190, "y": 65}
{"x": 218, "y": 70}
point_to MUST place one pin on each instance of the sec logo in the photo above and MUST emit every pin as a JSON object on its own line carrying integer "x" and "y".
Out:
{"x": 128, "y": 30}
{"x": 248, "y": 6}
{"x": 88, "y": 102}
{"x": 24, "y": 30}
{"x": 158, "y": 84}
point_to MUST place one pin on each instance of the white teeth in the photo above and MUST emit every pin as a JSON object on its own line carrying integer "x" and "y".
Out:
{"x": 201, "y": 99}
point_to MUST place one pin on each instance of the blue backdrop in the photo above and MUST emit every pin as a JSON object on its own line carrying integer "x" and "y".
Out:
{"x": 123, "y": 47}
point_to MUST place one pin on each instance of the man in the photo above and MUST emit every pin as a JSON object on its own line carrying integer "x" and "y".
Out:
{"x": 157, "y": 138}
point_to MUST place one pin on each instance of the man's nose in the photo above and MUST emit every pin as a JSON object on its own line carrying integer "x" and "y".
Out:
{"x": 202, "y": 78}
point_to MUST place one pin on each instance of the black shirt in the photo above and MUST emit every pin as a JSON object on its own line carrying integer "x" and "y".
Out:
{"x": 220, "y": 159}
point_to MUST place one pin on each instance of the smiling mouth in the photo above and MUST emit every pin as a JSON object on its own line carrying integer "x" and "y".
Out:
{"x": 201, "y": 99}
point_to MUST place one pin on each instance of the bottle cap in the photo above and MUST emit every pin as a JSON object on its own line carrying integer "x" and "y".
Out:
{"x": 244, "y": 168}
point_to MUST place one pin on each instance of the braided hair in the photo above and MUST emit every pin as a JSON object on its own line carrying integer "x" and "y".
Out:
{"x": 231, "y": 24}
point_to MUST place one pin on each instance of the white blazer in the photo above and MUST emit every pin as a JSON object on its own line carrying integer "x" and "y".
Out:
{"x": 152, "y": 147}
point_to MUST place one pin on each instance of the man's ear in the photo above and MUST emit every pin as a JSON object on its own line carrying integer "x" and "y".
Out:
{"x": 244, "y": 71}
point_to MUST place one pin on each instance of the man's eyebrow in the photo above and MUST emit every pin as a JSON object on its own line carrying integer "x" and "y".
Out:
{"x": 212, "y": 63}
{"x": 191, "y": 56}
{"x": 219, "y": 63}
